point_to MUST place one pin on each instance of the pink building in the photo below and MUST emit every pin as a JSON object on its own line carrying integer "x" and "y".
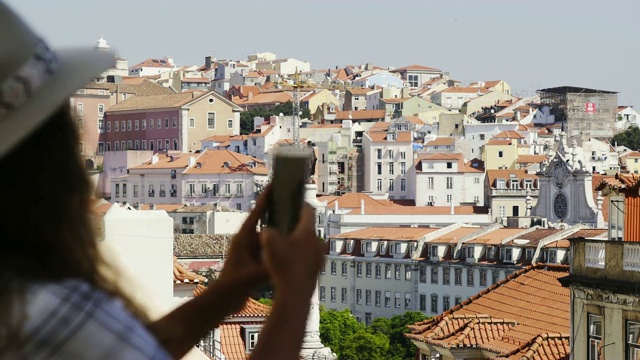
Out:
{"x": 169, "y": 122}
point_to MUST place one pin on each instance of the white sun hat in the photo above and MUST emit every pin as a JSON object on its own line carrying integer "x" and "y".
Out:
{"x": 35, "y": 80}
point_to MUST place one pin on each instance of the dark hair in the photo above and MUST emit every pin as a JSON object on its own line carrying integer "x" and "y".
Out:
{"x": 46, "y": 230}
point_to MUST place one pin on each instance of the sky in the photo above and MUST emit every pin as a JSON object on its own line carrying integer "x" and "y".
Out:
{"x": 531, "y": 44}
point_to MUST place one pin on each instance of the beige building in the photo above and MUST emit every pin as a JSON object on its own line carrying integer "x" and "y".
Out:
{"x": 489, "y": 99}
{"x": 511, "y": 192}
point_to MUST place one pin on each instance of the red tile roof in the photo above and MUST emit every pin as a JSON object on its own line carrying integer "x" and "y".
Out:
{"x": 352, "y": 200}
{"x": 494, "y": 237}
{"x": 387, "y": 233}
{"x": 442, "y": 141}
{"x": 508, "y": 134}
{"x": 420, "y": 210}
{"x": 360, "y": 114}
{"x": 212, "y": 161}
{"x": 531, "y": 159}
{"x": 415, "y": 68}
{"x": 516, "y": 317}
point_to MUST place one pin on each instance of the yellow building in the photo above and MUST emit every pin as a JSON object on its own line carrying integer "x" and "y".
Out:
{"x": 632, "y": 161}
{"x": 501, "y": 151}
{"x": 508, "y": 191}
{"x": 315, "y": 99}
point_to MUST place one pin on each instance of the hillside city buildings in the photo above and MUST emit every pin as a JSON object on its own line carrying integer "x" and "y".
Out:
{"x": 431, "y": 195}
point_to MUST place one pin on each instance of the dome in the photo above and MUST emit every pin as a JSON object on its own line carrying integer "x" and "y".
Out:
{"x": 101, "y": 44}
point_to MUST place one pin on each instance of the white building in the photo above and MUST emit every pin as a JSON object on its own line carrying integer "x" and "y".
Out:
{"x": 476, "y": 135}
{"x": 626, "y": 117}
{"x": 152, "y": 67}
{"x": 446, "y": 180}
{"x": 454, "y": 97}
{"x": 214, "y": 176}
{"x": 285, "y": 66}
{"x": 388, "y": 160}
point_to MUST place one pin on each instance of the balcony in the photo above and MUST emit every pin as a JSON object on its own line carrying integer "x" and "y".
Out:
{"x": 605, "y": 263}
{"x": 514, "y": 192}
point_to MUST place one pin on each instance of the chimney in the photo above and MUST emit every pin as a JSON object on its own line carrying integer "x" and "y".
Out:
{"x": 192, "y": 161}
{"x": 452, "y": 208}
{"x": 137, "y": 206}
{"x": 335, "y": 206}
{"x": 227, "y": 164}
{"x": 361, "y": 206}
{"x": 154, "y": 159}
{"x": 152, "y": 206}
{"x": 198, "y": 165}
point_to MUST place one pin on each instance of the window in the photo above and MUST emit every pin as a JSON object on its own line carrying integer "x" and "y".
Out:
{"x": 387, "y": 271}
{"x": 322, "y": 293}
{"x": 379, "y": 166}
{"x": 166, "y": 123}
{"x": 398, "y": 299}
{"x": 390, "y": 153}
{"x": 367, "y": 297}
{"x": 368, "y": 269}
{"x": 333, "y": 294}
{"x": 100, "y": 148}
{"x": 595, "y": 336}
{"x": 552, "y": 256}
{"x": 239, "y": 191}
{"x": 407, "y": 272}
{"x": 458, "y": 276}
{"x": 446, "y": 305}
{"x": 387, "y": 299}
{"x": 403, "y": 185}
{"x": 144, "y": 124}
{"x": 108, "y": 146}
{"x": 502, "y": 210}
{"x": 230, "y": 124}
{"x": 137, "y": 125}
{"x": 79, "y": 109}
{"x": 174, "y": 122}
{"x": 430, "y": 183}
{"x": 483, "y": 277}
{"x": 137, "y": 145}
{"x": 344, "y": 268}
{"x": 123, "y": 125}
{"x": 506, "y": 254}
{"x": 379, "y": 185}
{"x": 449, "y": 165}
{"x": 390, "y": 168}
{"x": 343, "y": 295}
{"x": 495, "y": 276}
{"x": 367, "y": 319}
{"x": 116, "y": 146}
{"x": 413, "y": 80}
{"x": 423, "y": 302}
{"x": 449, "y": 182}
{"x": 359, "y": 269}
{"x": 117, "y": 190}
{"x": 423, "y": 274}
{"x": 434, "y": 275}
{"x": 333, "y": 268}
{"x": 470, "y": 252}
{"x": 378, "y": 271}
{"x": 390, "y": 185}
{"x": 358, "y": 296}
{"x": 476, "y": 180}
{"x": 403, "y": 168}
{"x": 449, "y": 198}
{"x": 192, "y": 122}
{"x": 253, "y": 340}
{"x": 434, "y": 251}
{"x": 446, "y": 276}
{"x": 378, "y": 298}
{"x": 129, "y": 128}
{"x": 481, "y": 136}
{"x": 80, "y": 122}
{"x": 379, "y": 154}
{"x": 129, "y": 145}
{"x": 109, "y": 126}
{"x": 633, "y": 340}
{"x": 500, "y": 154}
{"x": 434, "y": 303}
{"x": 458, "y": 300}
{"x": 396, "y": 271}
{"x": 470, "y": 277}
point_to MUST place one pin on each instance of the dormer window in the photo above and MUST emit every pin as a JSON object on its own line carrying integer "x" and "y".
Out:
{"x": 368, "y": 246}
{"x": 251, "y": 335}
{"x": 506, "y": 254}
{"x": 434, "y": 251}
{"x": 350, "y": 246}
{"x": 391, "y": 137}
{"x": 470, "y": 252}
{"x": 398, "y": 248}
{"x": 490, "y": 253}
{"x": 333, "y": 245}
{"x": 528, "y": 183}
{"x": 529, "y": 254}
{"x": 514, "y": 184}
{"x": 501, "y": 184}
{"x": 552, "y": 256}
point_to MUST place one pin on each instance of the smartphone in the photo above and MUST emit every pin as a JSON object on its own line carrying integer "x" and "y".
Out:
{"x": 290, "y": 171}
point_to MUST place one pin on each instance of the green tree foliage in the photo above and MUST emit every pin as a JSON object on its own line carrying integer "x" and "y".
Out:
{"x": 350, "y": 339}
{"x": 246, "y": 117}
{"x": 629, "y": 138}
{"x": 266, "y": 301}
{"x": 336, "y": 326}
{"x": 365, "y": 345}
{"x": 400, "y": 347}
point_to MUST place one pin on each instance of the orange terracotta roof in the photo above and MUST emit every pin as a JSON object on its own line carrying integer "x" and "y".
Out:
{"x": 515, "y": 315}
{"x": 420, "y": 210}
{"x": 261, "y": 132}
{"x": 360, "y": 114}
{"x": 584, "y": 233}
{"x": 157, "y": 63}
{"x": 252, "y": 308}
{"x": 218, "y": 138}
{"x": 265, "y": 98}
{"x": 395, "y": 100}
{"x": 491, "y": 83}
{"x": 386, "y": 233}
{"x": 414, "y": 120}
{"x": 153, "y": 102}
{"x": 631, "y": 154}
{"x": 499, "y": 142}
{"x": 183, "y": 275}
{"x": 508, "y": 134}
{"x": 212, "y": 161}
{"x": 531, "y": 159}
{"x": 454, "y": 236}
{"x": 352, "y": 200}
{"x": 166, "y": 161}
{"x": 506, "y": 175}
{"x": 494, "y": 237}
{"x": 464, "y": 89}
{"x": 415, "y": 68}
{"x": 442, "y": 141}
{"x": 359, "y": 90}
{"x": 196, "y": 80}
{"x": 324, "y": 126}
{"x": 622, "y": 181}
{"x": 534, "y": 236}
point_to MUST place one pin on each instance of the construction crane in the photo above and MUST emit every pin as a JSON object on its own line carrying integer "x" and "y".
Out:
{"x": 295, "y": 119}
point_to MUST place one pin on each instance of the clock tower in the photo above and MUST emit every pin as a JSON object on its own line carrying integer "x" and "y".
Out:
{"x": 566, "y": 192}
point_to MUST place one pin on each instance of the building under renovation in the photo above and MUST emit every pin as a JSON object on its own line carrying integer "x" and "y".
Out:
{"x": 581, "y": 110}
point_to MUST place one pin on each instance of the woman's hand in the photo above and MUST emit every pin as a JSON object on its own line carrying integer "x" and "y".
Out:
{"x": 294, "y": 261}
{"x": 243, "y": 265}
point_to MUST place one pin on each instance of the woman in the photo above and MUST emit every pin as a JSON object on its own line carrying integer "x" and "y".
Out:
{"x": 56, "y": 300}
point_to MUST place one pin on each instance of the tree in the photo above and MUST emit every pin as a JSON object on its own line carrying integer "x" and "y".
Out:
{"x": 336, "y": 326}
{"x": 629, "y": 138}
{"x": 266, "y": 301}
{"x": 286, "y": 109}
{"x": 364, "y": 345}
{"x": 400, "y": 347}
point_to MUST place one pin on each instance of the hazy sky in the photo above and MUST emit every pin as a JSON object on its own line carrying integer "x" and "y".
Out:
{"x": 530, "y": 44}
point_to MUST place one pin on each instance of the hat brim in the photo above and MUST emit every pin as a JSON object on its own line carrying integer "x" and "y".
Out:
{"x": 76, "y": 68}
